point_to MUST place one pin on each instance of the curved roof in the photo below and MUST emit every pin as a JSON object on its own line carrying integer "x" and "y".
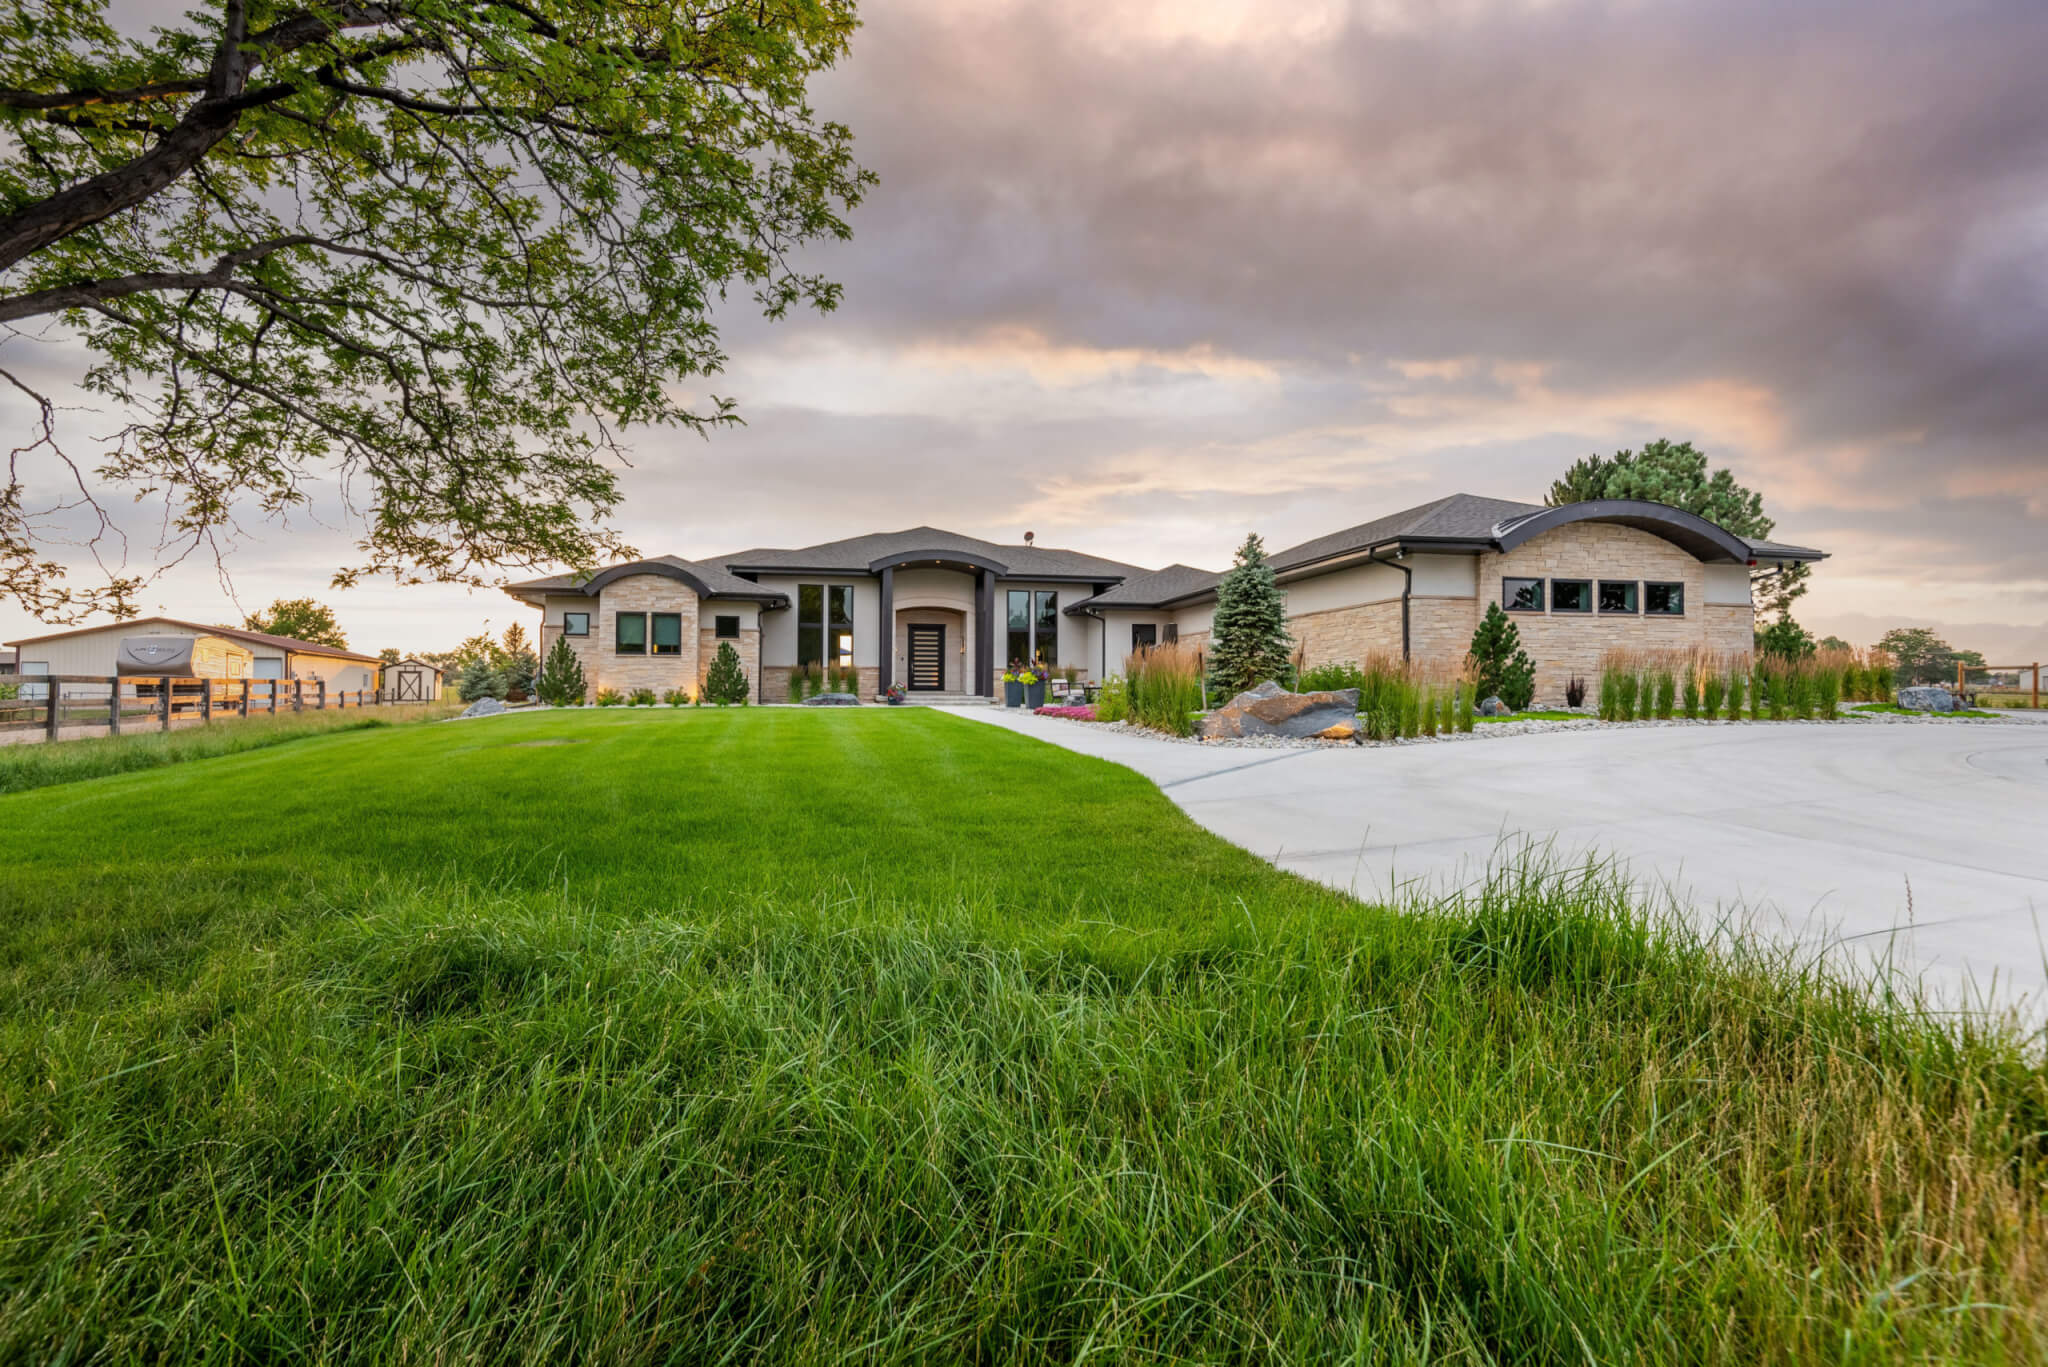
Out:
{"x": 1691, "y": 533}
{"x": 950, "y": 556}
{"x": 857, "y": 553}
{"x": 710, "y": 581}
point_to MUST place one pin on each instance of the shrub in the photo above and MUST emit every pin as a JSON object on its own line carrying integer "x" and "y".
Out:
{"x": 1667, "y": 689}
{"x": 1574, "y": 692}
{"x": 1689, "y": 691}
{"x": 642, "y": 697}
{"x": 1329, "y": 678}
{"x": 1164, "y": 683}
{"x": 1465, "y": 708}
{"x": 1625, "y": 695}
{"x": 1736, "y": 677}
{"x": 1610, "y": 691}
{"x": 1447, "y": 718}
{"x": 725, "y": 682}
{"x": 1112, "y": 700}
{"x": 561, "y": 682}
{"x": 479, "y": 680}
{"x": 676, "y": 697}
{"x": 1083, "y": 712}
{"x": 1827, "y": 691}
{"x": 1711, "y": 691}
{"x": 1500, "y": 667}
{"x": 1411, "y": 713}
{"x": 610, "y": 697}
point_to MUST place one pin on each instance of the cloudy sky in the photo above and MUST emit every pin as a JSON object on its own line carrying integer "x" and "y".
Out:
{"x": 1142, "y": 277}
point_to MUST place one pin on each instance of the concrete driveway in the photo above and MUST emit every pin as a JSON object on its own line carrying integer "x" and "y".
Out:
{"x": 1926, "y": 842}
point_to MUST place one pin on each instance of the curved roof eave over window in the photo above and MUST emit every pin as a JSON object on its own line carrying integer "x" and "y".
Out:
{"x": 952, "y": 559}
{"x": 1691, "y": 533}
{"x": 611, "y": 575}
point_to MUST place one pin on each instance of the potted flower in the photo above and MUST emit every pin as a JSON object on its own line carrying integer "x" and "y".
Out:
{"x": 1013, "y": 686}
{"x": 896, "y": 694}
{"x": 1034, "y": 688}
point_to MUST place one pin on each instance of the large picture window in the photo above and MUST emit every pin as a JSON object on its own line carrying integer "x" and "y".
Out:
{"x": 629, "y": 633}
{"x": 668, "y": 633}
{"x": 1571, "y": 595}
{"x": 824, "y": 625}
{"x": 1664, "y": 600}
{"x": 1047, "y": 628}
{"x": 1521, "y": 595}
{"x": 1617, "y": 595}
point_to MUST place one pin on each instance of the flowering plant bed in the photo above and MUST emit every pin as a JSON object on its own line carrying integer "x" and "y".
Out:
{"x": 1081, "y": 713}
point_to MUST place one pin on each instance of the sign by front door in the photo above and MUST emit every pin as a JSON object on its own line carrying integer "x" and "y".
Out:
{"x": 927, "y": 657}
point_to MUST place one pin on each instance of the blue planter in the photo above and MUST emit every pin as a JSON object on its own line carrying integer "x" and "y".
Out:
{"x": 1034, "y": 694}
{"x": 1013, "y": 694}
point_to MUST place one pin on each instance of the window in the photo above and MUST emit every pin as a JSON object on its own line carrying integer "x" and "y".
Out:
{"x": 668, "y": 633}
{"x": 1144, "y": 634}
{"x": 824, "y": 625}
{"x": 1664, "y": 600}
{"x": 1571, "y": 595}
{"x": 1019, "y": 622}
{"x": 1047, "y": 628}
{"x": 1172, "y": 632}
{"x": 1617, "y": 595}
{"x": 1521, "y": 595}
{"x": 575, "y": 624}
{"x": 629, "y": 633}
{"x": 725, "y": 628}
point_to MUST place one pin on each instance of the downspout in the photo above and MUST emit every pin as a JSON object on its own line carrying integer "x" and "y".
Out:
{"x": 1407, "y": 591}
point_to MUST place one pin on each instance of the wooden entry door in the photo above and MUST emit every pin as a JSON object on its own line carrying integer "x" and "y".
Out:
{"x": 927, "y": 657}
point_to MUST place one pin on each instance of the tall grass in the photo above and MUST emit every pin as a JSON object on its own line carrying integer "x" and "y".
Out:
{"x": 40, "y": 764}
{"x": 1165, "y": 687}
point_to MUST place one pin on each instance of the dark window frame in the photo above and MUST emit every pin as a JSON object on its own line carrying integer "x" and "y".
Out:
{"x": 1677, "y": 587}
{"x": 1586, "y": 611}
{"x": 1045, "y": 612}
{"x": 1172, "y": 633}
{"x": 654, "y": 623}
{"x": 1507, "y": 602}
{"x": 719, "y": 629}
{"x": 568, "y": 618}
{"x": 1635, "y": 597}
{"x": 823, "y": 632}
{"x": 619, "y": 646}
{"x": 1151, "y": 637}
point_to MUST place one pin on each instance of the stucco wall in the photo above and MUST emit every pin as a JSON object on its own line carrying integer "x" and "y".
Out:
{"x": 955, "y": 656}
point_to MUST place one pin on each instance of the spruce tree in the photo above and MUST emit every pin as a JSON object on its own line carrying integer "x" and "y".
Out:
{"x": 1501, "y": 668}
{"x": 1250, "y": 641}
{"x": 726, "y": 682}
{"x": 561, "y": 678}
{"x": 480, "y": 680}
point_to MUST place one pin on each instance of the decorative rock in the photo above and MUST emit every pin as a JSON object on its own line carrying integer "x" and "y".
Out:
{"x": 483, "y": 707}
{"x": 833, "y": 700}
{"x": 1270, "y": 710}
{"x": 1343, "y": 730}
{"x": 1493, "y": 707}
{"x": 1927, "y": 698}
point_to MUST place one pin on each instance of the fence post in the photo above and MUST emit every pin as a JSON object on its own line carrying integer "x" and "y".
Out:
{"x": 321, "y": 686}
{"x": 2037, "y": 685}
{"x": 114, "y": 706}
{"x": 245, "y": 700}
{"x": 163, "y": 703}
{"x": 53, "y": 708}
{"x": 206, "y": 701}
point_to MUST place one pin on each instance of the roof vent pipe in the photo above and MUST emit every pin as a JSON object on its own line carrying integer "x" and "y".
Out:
{"x": 1028, "y": 537}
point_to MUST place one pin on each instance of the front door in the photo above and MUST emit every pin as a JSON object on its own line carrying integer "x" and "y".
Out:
{"x": 927, "y": 657}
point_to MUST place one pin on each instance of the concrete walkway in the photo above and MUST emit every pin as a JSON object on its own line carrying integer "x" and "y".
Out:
{"x": 1928, "y": 842}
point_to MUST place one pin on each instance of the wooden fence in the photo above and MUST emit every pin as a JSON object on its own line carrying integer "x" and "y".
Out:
{"x": 2032, "y": 671}
{"x": 122, "y": 704}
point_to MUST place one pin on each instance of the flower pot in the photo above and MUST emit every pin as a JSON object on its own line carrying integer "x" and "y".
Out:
{"x": 1013, "y": 694}
{"x": 1034, "y": 694}
{"x": 895, "y": 701}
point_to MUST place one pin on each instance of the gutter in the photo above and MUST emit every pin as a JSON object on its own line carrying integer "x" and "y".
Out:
{"x": 1407, "y": 588}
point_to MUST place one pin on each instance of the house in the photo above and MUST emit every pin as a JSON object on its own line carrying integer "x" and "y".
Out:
{"x": 942, "y": 613}
{"x": 98, "y": 651}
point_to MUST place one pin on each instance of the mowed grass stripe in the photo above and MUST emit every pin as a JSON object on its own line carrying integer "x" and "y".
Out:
{"x": 775, "y": 1035}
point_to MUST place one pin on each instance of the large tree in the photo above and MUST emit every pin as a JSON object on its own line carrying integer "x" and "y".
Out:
{"x": 440, "y": 252}
{"x": 1922, "y": 657}
{"x": 1248, "y": 636}
{"x": 1676, "y": 473}
{"x": 302, "y": 619}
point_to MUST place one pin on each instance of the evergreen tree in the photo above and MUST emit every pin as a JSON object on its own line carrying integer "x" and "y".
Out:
{"x": 1501, "y": 668}
{"x": 561, "y": 681}
{"x": 1250, "y": 641}
{"x": 479, "y": 680}
{"x": 726, "y": 682}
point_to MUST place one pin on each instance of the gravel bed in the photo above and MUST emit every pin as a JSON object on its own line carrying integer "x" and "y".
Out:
{"x": 1495, "y": 730}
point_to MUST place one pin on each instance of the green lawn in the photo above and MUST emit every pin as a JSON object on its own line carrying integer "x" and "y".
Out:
{"x": 778, "y": 1035}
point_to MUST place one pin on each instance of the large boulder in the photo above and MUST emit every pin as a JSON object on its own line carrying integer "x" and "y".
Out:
{"x": 1493, "y": 707}
{"x": 1270, "y": 710}
{"x": 483, "y": 707}
{"x": 1927, "y": 698}
{"x": 833, "y": 700}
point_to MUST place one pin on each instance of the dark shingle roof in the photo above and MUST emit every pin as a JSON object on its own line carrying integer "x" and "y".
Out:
{"x": 1153, "y": 590}
{"x": 1456, "y": 517}
{"x": 717, "y": 580}
{"x": 858, "y": 552}
{"x": 1769, "y": 550}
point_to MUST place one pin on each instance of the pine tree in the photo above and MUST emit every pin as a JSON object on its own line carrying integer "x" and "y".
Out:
{"x": 1501, "y": 668}
{"x": 726, "y": 682}
{"x": 1250, "y": 642}
{"x": 479, "y": 680}
{"x": 561, "y": 678}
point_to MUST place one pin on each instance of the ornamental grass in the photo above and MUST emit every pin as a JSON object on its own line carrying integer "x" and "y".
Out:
{"x": 1164, "y": 683}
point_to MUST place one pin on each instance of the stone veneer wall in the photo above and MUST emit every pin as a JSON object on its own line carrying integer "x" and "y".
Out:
{"x": 1337, "y": 635}
{"x": 748, "y": 645}
{"x": 1567, "y": 644}
{"x": 868, "y": 687}
{"x": 639, "y": 593}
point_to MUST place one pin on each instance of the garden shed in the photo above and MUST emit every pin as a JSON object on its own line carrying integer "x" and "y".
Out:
{"x": 412, "y": 681}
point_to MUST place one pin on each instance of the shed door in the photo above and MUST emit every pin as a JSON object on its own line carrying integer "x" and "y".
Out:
{"x": 409, "y": 689}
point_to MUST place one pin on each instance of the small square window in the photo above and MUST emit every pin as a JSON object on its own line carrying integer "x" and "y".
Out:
{"x": 1617, "y": 595}
{"x": 1172, "y": 633}
{"x": 1521, "y": 595}
{"x": 1144, "y": 634}
{"x": 629, "y": 633}
{"x": 575, "y": 624}
{"x": 726, "y": 628}
{"x": 668, "y": 633}
{"x": 1664, "y": 600}
{"x": 1571, "y": 595}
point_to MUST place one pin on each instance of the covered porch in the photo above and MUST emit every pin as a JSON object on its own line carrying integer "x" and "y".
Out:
{"x": 937, "y": 617}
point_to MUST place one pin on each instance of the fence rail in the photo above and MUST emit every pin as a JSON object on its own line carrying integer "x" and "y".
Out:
{"x": 2033, "y": 671}
{"x": 119, "y": 704}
